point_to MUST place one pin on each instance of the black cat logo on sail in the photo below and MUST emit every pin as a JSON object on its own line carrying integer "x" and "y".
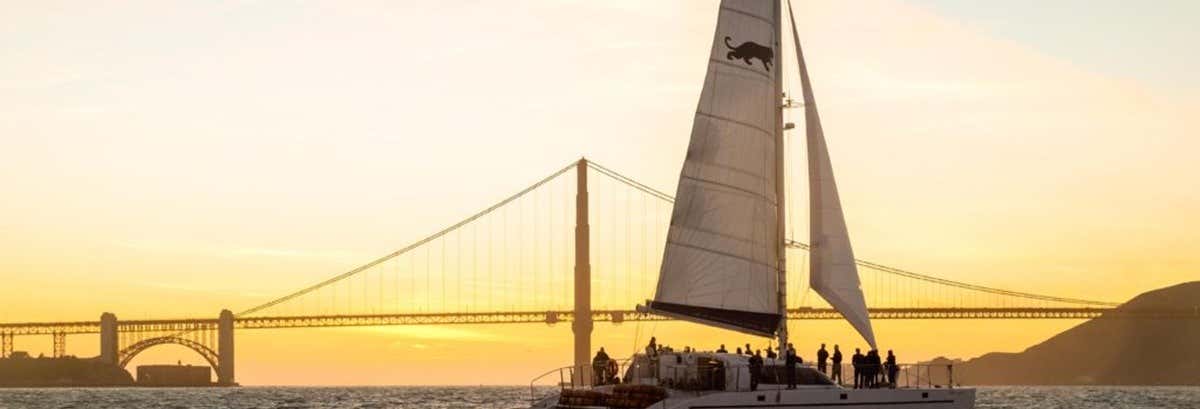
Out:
{"x": 748, "y": 51}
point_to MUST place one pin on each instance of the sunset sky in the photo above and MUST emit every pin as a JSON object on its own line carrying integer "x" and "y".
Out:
{"x": 171, "y": 159}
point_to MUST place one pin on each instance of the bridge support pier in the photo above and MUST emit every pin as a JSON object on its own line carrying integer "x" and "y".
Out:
{"x": 225, "y": 349}
{"x": 60, "y": 344}
{"x": 6, "y": 345}
{"x": 582, "y": 324}
{"x": 109, "y": 345}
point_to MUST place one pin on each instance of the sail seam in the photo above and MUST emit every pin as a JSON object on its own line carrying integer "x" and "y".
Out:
{"x": 726, "y": 254}
{"x": 732, "y": 169}
{"x": 740, "y": 67}
{"x": 745, "y": 124}
{"x": 727, "y": 186}
{"x": 725, "y": 236}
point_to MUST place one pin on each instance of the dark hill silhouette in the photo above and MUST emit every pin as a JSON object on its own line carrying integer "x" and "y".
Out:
{"x": 1117, "y": 351}
{"x": 68, "y": 371}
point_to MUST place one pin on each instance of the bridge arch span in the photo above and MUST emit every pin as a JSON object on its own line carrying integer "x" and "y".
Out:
{"x": 126, "y": 355}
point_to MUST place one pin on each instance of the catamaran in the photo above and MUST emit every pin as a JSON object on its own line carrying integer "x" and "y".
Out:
{"x": 724, "y": 260}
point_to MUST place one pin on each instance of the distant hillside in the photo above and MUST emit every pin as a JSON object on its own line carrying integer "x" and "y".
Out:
{"x": 1105, "y": 351}
{"x": 69, "y": 371}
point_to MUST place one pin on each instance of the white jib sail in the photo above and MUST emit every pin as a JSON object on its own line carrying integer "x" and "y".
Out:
{"x": 721, "y": 259}
{"x": 833, "y": 273}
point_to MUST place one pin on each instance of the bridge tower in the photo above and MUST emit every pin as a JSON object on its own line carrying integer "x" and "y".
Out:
{"x": 109, "y": 338}
{"x": 225, "y": 349}
{"x": 582, "y": 324}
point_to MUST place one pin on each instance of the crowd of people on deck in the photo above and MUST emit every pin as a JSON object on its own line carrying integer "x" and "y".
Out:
{"x": 870, "y": 370}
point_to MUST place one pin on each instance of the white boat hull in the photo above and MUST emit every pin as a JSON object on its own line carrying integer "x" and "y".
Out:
{"x": 810, "y": 398}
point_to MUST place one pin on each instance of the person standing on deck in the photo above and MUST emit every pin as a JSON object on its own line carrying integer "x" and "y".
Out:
{"x": 722, "y": 350}
{"x": 836, "y": 375}
{"x": 600, "y": 366}
{"x": 749, "y": 352}
{"x": 857, "y": 362}
{"x": 892, "y": 369}
{"x": 874, "y": 364}
{"x": 790, "y": 361}
{"x": 756, "y": 365}
{"x": 822, "y": 355}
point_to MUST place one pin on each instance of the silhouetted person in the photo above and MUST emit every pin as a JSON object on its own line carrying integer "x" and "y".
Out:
{"x": 600, "y": 366}
{"x": 749, "y": 352}
{"x": 822, "y": 355}
{"x": 722, "y": 350}
{"x": 790, "y": 361}
{"x": 756, "y": 365}
{"x": 652, "y": 348}
{"x": 873, "y": 366}
{"x": 771, "y": 353}
{"x": 892, "y": 369}
{"x": 857, "y": 362}
{"x": 836, "y": 376}
{"x": 612, "y": 372}
{"x": 739, "y": 350}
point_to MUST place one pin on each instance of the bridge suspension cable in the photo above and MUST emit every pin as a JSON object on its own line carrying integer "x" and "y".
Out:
{"x": 966, "y": 286}
{"x": 521, "y": 259}
{"x": 408, "y": 248}
{"x": 872, "y": 265}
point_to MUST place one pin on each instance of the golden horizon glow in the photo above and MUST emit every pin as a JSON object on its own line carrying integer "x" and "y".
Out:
{"x": 175, "y": 160}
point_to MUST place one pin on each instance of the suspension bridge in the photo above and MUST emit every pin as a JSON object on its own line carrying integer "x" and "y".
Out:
{"x": 581, "y": 245}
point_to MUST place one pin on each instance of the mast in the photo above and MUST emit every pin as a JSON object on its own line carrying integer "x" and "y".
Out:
{"x": 780, "y": 224}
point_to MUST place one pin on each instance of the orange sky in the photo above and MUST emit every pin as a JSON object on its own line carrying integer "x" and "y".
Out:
{"x": 173, "y": 160}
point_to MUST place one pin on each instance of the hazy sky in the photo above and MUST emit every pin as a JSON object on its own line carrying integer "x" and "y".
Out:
{"x": 176, "y": 158}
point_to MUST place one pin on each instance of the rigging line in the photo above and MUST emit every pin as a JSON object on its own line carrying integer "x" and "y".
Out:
{"x": 418, "y": 243}
{"x": 936, "y": 280}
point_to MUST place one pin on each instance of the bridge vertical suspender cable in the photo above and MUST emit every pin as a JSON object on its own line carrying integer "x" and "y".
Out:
{"x": 404, "y": 250}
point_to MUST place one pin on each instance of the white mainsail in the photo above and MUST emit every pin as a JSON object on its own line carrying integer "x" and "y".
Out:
{"x": 723, "y": 256}
{"x": 833, "y": 273}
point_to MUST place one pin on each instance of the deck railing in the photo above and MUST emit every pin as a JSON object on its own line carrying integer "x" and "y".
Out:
{"x": 572, "y": 377}
{"x": 631, "y": 370}
{"x": 906, "y": 376}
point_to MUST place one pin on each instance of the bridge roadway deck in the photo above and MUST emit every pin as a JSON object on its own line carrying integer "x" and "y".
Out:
{"x": 551, "y": 317}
